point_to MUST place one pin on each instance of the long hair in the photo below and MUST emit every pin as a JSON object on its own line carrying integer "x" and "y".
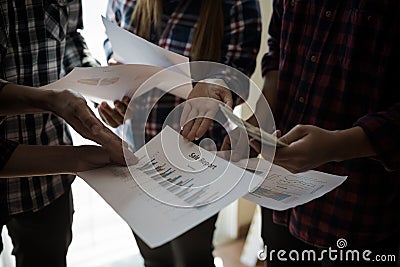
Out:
{"x": 208, "y": 34}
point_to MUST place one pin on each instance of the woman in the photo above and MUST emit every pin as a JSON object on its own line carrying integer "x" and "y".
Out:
{"x": 227, "y": 32}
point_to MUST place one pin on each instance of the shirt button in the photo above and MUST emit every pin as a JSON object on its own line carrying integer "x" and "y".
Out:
{"x": 301, "y": 99}
{"x": 313, "y": 59}
{"x": 328, "y": 14}
{"x": 292, "y": 2}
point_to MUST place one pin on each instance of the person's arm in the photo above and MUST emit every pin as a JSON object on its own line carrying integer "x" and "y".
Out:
{"x": 76, "y": 52}
{"x": 383, "y": 131}
{"x": 32, "y": 160}
{"x": 270, "y": 66}
{"x": 240, "y": 48}
{"x": 71, "y": 106}
{"x": 374, "y": 135}
{"x": 310, "y": 147}
{"x": 24, "y": 160}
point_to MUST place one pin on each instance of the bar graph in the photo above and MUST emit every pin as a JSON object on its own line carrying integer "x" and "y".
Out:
{"x": 178, "y": 183}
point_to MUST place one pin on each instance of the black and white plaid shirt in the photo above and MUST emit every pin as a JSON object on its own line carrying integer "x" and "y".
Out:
{"x": 39, "y": 42}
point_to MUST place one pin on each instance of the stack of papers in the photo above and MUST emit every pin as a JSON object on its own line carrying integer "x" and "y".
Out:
{"x": 180, "y": 188}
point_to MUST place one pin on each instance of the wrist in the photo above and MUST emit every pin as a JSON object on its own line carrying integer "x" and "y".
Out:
{"x": 351, "y": 143}
{"x": 91, "y": 157}
{"x": 41, "y": 99}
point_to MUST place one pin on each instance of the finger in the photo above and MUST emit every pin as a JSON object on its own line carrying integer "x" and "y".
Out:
{"x": 185, "y": 113}
{"x": 193, "y": 131}
{"x": 285, "y": 154}
{"x": 293, "y": 135}
{"x": 277, "y": 133}
{"x": 203, "y": 127}
{"x": 87, "y": 121}
{"x": 206, "y": 123}
{"x": 126, "y": 100}
{"x": 113, "y": 62}
{"x": 120, "y": 107}
{"x": 188, "y": 125}
{"x": 106, "y": 117}
{"x": 111, "y": 114}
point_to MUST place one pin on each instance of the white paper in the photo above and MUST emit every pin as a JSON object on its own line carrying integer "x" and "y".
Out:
{"x": 170, "y": 209}
{"x": 146, "y": 66}
{"x": 154, "y": 221}
{"x": 114, "y": 82}
{"x": 282, "y": 189}
{"x": 129, "y": 48}
{"x": 105, "y": 83}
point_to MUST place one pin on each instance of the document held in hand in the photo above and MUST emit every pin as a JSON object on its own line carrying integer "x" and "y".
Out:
{"x": 177, "y": 185}
{"x": 141, "y": 60}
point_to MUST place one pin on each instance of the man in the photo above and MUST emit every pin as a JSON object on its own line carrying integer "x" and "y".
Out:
{"x": 38, "y": 210}
{"x": 333, "y": 66}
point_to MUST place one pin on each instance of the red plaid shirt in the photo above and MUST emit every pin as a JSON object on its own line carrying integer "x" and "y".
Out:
{"x": 241, "y": 42}
{"x": 339, "y": 67}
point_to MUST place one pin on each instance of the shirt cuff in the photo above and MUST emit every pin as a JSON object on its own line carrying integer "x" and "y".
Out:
{"x": 270, "y": 61}
{"x": 383, "y": 131}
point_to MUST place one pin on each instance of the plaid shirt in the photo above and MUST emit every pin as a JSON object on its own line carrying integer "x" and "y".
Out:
{"x": 242, "y": 23}
{"x": 33, "y": 37}
{"x": 7, "y": 147}
{"x": 338, "y": 61}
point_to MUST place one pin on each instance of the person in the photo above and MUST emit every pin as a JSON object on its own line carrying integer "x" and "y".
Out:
{"x": 37, "y": 210}
{"x": 187, "y": 28}
{"x": 330, "y": 77}
{"x": 35, "y": 160}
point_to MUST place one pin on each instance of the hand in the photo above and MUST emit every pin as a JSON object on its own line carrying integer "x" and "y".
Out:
{"x": 114, "y": 116}
{"x": 73, "y": 108}
{"x": 93, "y": 157}
{"x": 112, "y": 61}
{"x": 198, "y": 114}
{"x": 33, "y": 160}
{"x": 309, "y": 147}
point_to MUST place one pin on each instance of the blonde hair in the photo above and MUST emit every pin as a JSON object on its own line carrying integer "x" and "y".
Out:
{"x": 208, "y": 35}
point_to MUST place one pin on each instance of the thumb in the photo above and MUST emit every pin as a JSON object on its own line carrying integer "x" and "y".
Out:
{"x": 294, "y": 134}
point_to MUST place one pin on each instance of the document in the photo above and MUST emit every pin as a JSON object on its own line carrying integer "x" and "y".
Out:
{"x": 176, "y": 185}
{"x": 170, "y": 190}
{"x": 257, "y": 133}
{"x": 282, "y": 189}
{"x": 128, "y": 48}
{"x": 146, "y": 66}
{"x": 114, "y": 82}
